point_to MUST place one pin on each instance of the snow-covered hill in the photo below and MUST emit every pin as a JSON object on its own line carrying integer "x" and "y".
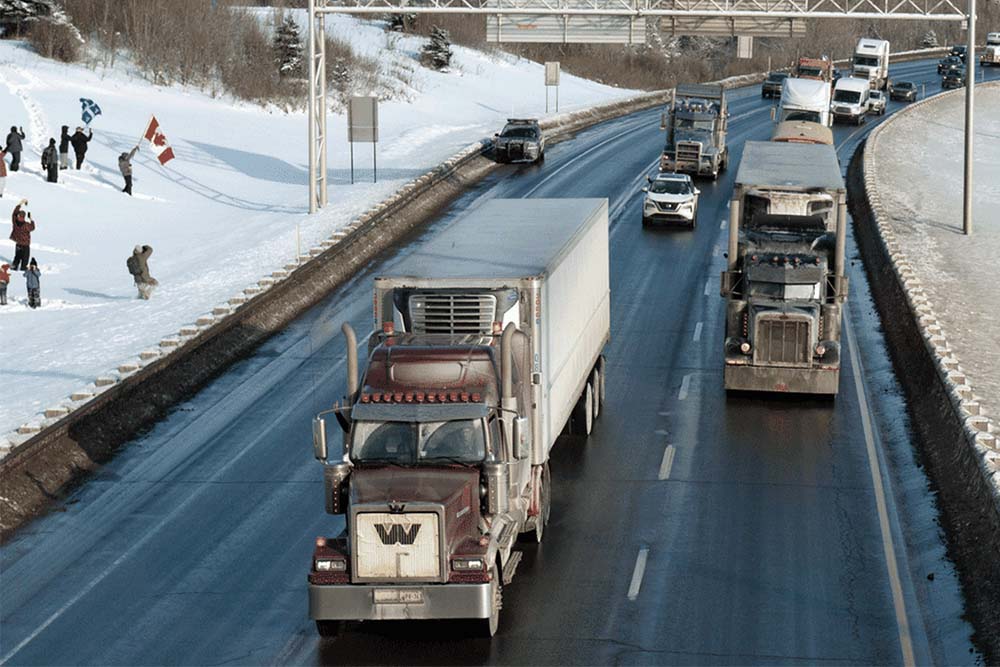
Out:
{"x": 220, "y": 216}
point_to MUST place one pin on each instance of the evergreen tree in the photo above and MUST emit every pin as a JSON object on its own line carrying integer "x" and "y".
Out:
{"x": 288, "y": 48}
{"x": 437, "y": 53}
{"x": 16, "y": 15}
{"x": 930, "y": 40}
{"x": 340, "y": 78}
{"x": 401, "y": 22}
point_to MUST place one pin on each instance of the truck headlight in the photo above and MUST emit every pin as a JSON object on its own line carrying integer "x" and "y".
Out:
{"x": 468, "y": 564}
{"x": 330, "y": 565}
{"x": 745, "y": 347}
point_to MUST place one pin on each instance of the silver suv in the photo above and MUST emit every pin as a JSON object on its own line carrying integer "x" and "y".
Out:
{"x": 520, "y": 141}
{"x": 670, "y": 198}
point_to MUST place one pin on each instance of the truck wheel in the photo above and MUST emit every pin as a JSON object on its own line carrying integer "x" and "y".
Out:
{"x": 595, "y": 382}
{"x": 488, "y": 626}
{"x": 328, "y": 629}
{"x": 583, "y": 414}
{"x": 645, "y": 221}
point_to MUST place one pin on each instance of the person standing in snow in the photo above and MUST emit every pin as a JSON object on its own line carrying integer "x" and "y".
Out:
{"x": 20, "y": 234}
{"x": 4, "y": 280}
{"x": 33, "y": 279}
{"x": 125, "y": 167}
{"x": 138, "y": 266}
{"x": 64, "y": 148}
{"x": 80, "y": 141}
{"x": 3, "y": 170}
{"x": 50, "y": 162}
{"x": 14, "y": 147}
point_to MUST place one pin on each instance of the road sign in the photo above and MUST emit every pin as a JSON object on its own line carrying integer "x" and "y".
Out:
{"x": 552, "y": 73}
{"x": 744, "y": 46}
{"x": 565, "y": 29}
{"x": 362, "y": 119}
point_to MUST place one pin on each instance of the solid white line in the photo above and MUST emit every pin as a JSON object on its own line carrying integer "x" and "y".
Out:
{"x": 685, "y": 385}
{"x": 697, "y": 331}
{"x": 667, "y": 462}
{"x": 888, "y": 548}
{"x": 640, "y": 569}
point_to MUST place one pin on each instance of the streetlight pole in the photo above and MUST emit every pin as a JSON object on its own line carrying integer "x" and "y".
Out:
{"x": 970, "y": 98}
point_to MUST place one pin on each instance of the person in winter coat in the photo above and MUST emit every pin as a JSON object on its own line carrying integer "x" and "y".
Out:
{"x": 125, "y": 167}
{"x": 64, "y": 148}
{"x": 80, "y": 141}
{"x": 138, "y": 266}
{"x": 3, "y": 171}
{"x": 50, "y": 162}
{"x": 33, "y": 279}
{"x": 4, "y": 281}
{"x": 14, "y": 147}
{"x": 20, "y": 234}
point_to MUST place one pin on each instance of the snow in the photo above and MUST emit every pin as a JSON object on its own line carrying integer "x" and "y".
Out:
{"x": 222, "y": 215}
{"x": 924, "y": 204}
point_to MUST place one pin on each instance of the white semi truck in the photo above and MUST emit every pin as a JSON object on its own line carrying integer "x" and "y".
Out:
{"x": 488, "y": 341}
{"x": 871, "y": 62}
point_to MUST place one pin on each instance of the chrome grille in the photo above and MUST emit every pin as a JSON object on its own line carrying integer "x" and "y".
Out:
{"x": 397, "y": 546}
{"x": 437, "y": 313}
{"x": 689, "y": 151}
{"x": 782, "y": 341}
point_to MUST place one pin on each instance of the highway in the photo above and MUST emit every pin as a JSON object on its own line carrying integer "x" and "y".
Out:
{"x": 691, "y": 528}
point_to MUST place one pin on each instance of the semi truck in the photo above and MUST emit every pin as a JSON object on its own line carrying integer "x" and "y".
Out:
{"x": 488, "y": 343}
{"x": 871, "y": 62}
{"x": 820, "y": 69}
{"x": 784, "y": 283}
{"x": 696, "y": 125}
{"x": 805, "y": 99}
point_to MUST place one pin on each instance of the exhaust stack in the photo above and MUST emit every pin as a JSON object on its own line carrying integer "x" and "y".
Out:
{"x": 352, "y": 360}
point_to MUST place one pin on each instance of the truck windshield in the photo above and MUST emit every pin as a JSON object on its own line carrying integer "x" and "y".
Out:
{"x": 519, "y": 133}
{"x": 848, "y": 96}
{"x": 799, "y": 114}
{"x": 785, "y": 290}
{"x": 866, "y": 61}
{"x": 408, "y": 443}
{"x": 810, "y": 72}
{"x": 690, "y": 124}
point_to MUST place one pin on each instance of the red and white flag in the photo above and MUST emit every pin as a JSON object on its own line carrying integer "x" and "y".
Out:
{"x": 158, "y": 141}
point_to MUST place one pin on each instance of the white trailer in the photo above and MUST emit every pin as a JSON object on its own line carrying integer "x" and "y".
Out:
{"x": 871, "y": 62}
{"x": 805, "y": 100}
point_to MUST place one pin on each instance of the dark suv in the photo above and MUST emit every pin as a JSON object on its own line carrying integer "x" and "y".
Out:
{"x": 772, "y": 84}
{"x": 949, "y": 63}
{"x": 960, "y": 51}
{"x": 520, "y": 141}
{"x": 953, "y": 78}
{"x": 903, "y": 90}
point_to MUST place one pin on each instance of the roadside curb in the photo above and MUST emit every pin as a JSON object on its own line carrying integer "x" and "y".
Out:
{"x": 958, "y": 443}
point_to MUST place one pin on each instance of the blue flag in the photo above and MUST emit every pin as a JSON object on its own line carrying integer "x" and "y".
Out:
{"x": 90, "y": 110}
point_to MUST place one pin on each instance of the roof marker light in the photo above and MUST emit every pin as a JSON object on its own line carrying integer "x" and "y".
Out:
{"x": 388, "y": 328}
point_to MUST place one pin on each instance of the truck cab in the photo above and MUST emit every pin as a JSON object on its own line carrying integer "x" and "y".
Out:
{"x": 871, "y": 62}
{"x": 805, "y": 100}
{"x": 696, "y": 125}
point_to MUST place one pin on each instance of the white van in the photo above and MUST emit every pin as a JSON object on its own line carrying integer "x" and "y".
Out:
{"x": 850, "y": 100}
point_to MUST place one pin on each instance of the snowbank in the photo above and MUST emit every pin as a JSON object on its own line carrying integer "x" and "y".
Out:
{"x": 225, "y": 213}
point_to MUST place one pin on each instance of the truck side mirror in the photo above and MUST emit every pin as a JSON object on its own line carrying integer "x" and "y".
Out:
{"x": 521, "y": 430}
{"x": 663, "y": 120}
{"x": 774, "y": 113}
{"x": 319, "y": 438}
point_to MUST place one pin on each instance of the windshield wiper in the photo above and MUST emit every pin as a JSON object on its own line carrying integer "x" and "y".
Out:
{"x": 385, "y": 461}
{"x": 448, "y": 459}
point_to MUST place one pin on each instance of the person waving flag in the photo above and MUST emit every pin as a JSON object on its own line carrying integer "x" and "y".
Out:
{"x": 158, "y": 141}
{"x": 90, "y": 110}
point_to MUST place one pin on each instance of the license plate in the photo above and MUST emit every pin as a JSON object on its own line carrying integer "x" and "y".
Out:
{"x": 398, "y": 596}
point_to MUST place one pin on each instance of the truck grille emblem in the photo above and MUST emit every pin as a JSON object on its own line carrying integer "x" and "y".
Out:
{"x": 397, "y": 533}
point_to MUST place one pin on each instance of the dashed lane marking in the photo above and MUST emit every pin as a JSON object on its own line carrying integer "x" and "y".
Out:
{"x": 667, "y": 462}
{"x": 708, "y": 286}
{"x": 637, "y": 573}
{"x": 685, "y": 386}
{"x": 697, "y": 331}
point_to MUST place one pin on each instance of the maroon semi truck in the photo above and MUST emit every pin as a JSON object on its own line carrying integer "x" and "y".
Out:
{"x": 488, "y": 343}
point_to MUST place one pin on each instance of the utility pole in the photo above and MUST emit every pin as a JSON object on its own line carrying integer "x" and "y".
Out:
{"x": 970, "y": 101}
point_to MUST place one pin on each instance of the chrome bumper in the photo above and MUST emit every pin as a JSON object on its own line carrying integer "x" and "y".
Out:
{"x": 744, "y": 377}
{"x": 356, "y": 602}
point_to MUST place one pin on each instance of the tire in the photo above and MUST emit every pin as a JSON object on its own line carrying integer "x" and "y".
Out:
{"x": 694, "y": 218}
{"x": 583, "y": 413}
{"x": 488, "y": 626}
{"x": 595, "y": 381}
{"x": 645, "y": 221}
{"x": 541, "y": 158}
{"x": 328, "y": 629}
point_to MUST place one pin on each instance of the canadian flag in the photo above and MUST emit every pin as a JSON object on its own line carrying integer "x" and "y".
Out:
{"x": 158, "y": 141}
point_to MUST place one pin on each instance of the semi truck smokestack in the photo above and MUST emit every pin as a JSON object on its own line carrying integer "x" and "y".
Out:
{"x": 507, "y": 362}
{"x": 352, "y": 359}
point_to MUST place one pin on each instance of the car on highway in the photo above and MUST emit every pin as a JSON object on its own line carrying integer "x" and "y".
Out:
{"x": 521, "y": 140}
{"x": 948, "y": 63}
{"x": 953, "y": 78}
{"x": 960, "y": 51}
{"x": 670, "y": 197}
{"x": 876, "y": 102}
{"x": 904, "y": 91}
{"x": 772, "y": 84}
{"x": 850, "y": 100}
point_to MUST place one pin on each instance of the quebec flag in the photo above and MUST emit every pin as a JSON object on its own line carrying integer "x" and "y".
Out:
{"x": 90, "y": 110}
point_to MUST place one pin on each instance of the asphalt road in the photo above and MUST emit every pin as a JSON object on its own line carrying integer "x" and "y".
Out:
{"x": 689, "y": 529}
